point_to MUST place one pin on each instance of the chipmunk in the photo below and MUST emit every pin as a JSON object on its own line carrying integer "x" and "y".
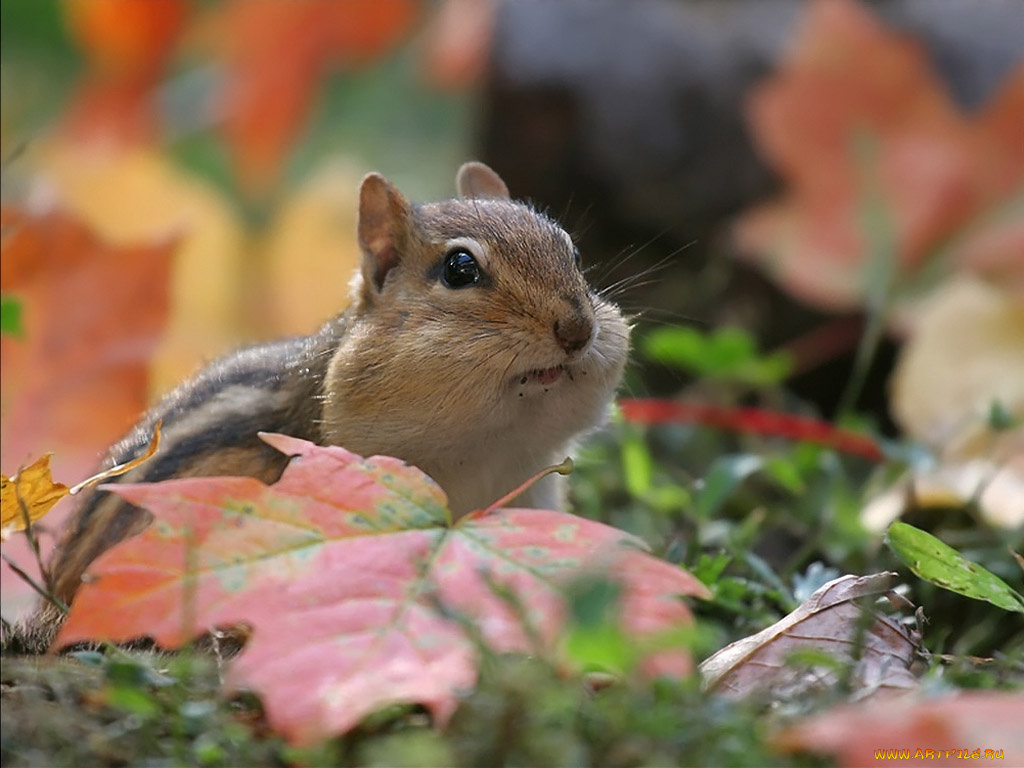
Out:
{"x": 472, "y": 348}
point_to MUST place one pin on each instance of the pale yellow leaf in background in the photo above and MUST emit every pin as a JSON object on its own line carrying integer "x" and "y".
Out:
{"x": 965, "y": 351}
{"x": 998, "y": 492}
{"x": 32, "y": 486}
{"x": 312, "y": 252}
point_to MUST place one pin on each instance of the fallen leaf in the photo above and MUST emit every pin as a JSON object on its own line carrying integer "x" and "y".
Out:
{"x": 32, "y": 489}
{"x": 829, "y": 622}
{"x": 357, "y": 586}
{"x": 996, "y": 491}
{"x": 933, "y": 560}
{"x": 855, "y": 119}
{"x": 966, "y": 352}
{"x": 970, "y": 728}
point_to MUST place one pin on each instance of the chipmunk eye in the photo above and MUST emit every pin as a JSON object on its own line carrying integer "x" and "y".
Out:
{"x": 460, "y": 270}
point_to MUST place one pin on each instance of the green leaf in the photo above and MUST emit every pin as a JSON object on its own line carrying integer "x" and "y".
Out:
{"x": 10, "y": 316}
{"x": 784, "y": 471}
{"x": 595, "y": 640}
{"x": 728, "y": 354}
{"x": 722, "y": 479}
{"x": 710, "y": 567}
{"x": 637, "y": 467}
{"x": 1001, "y": 418}
{"x": 936, "y": 562}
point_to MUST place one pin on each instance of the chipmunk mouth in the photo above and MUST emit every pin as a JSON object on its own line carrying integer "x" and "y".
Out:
{"x": 543, "y": 377}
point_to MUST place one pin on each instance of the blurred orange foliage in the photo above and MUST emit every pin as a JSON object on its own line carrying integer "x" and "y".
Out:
{"x": 127, "y": 44}
{"x": 854, "y": 121}
{"x": 127, "y": 38}
{"x": 95, "y": 313}
{"x": 276, "y": 55}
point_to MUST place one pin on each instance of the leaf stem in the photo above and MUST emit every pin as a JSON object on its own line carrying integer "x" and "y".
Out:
{"x": 880, "y": 232}
{"x": 43, "y": 591}
{"x": 33, "y": 543}
{"x": 563, "y": 469}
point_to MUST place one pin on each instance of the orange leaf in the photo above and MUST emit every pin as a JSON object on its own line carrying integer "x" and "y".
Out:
{"x": 127, "y": 43}
{"x": 77, "y": 378}
{"x": 351, "y": 574}
{"x": 32, "y": 487}
{"x": 854, "y": 118}
{"x": 276, "y": 55}
{"x": 126, "y": 36}
{"x": 942, "y": 732}
{"x": 458, "y": 43}
{"x": 92, "y": 316}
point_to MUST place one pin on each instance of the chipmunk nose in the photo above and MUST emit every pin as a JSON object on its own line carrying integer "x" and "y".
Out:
{"x": 573, "y": 332}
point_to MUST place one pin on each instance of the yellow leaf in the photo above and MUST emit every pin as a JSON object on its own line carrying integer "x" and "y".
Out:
{"x": 311, "y": 251}
{"x": 32, "y": 487}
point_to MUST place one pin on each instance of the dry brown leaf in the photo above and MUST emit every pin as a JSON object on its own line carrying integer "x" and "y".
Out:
{"x": 830, "y": 622}
{"x": 32, "y": 487}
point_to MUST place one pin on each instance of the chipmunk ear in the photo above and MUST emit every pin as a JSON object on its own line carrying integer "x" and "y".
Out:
{"x": 384, "y": 218}
{"x": 475, "y": 179}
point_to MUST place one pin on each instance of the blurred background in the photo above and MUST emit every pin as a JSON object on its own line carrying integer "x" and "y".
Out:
{"x": 810, "y": 206}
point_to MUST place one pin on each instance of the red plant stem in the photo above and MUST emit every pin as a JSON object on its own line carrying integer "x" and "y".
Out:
{"x": 751, "y": 420}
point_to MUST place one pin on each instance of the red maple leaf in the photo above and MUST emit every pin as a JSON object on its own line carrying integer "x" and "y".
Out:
{"x": 358, "y": 587}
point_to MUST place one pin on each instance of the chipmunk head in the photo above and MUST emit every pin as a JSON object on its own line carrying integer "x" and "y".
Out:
{"x": 473, "y": 329}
